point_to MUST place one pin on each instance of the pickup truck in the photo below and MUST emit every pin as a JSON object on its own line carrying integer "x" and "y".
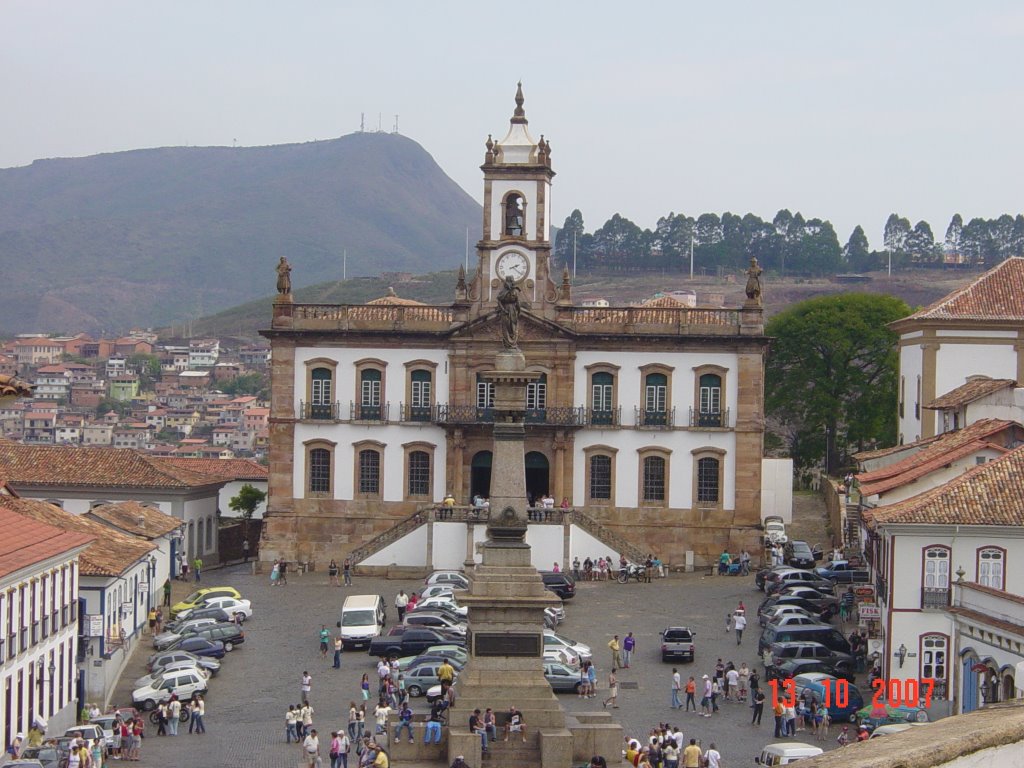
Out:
{"x": 678, "y": 643}
{"x": 411, "y": 641}
{"x": 844, "y": 572}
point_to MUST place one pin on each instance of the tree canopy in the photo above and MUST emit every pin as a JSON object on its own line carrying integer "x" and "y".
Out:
{"x": 831, "y": 376}
{"x": 247, "y": 500}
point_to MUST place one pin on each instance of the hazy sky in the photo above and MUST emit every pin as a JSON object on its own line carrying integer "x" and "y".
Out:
{"x": 845, "y": 111}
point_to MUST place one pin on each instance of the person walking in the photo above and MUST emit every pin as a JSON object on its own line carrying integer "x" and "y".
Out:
{"x": 325, "y": 640}
{"x": 332, "y": 573}
{"x": 167, "y": 593}
{"x": 305, "y": 686}
{"x": 615, "y": 648}
{"x": 245, "y": 550}
{"x": 758, "y": 705}
{"x": 591, "y": 680}
{"x": 739, "y": 623}
{"x": 780, "y": 712}
{"x": 161, "y": 719}
{"x": 311, "y": 749}
{"x": 691, "y": 691}
{"x": 339, "y": 644}
{"x": 291, "y": 717}
{"x": 744, "y": 680}
{"x": 401, "y": 602}
{"x": 705, "y": 701}
{"x": 628, "y": 645}
{"x": 613, "y": 690}
{"x": 712, "y": 758}
{"x": 346, "y": 569}
{"x": 732, "y": 683}
{"x": 677, "y": 682}
{"x": 197, "y": 566}
{"x": 692, "y": 756}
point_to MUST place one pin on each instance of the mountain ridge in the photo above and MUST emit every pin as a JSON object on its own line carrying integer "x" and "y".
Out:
{"x": 154, "y": 236}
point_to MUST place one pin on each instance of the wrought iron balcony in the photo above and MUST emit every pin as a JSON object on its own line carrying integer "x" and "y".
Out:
{"x": 320, "y": 411}
{"x": 426, "y": 413}
{"x": 709, "y": 419}
{"x": 561, "y": 417}
{"x": 935, "y": 597}
{"x": 655, "y": 419}
{"x": 448, "y": 413}
{"x": 604, "y": 418}
{"x": 360, "y": 412}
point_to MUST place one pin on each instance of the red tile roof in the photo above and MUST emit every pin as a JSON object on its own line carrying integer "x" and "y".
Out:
{"x": 50, "y": 465}
{"x": 996, "y": 295}
{"x": 136, "y": 519}
{"x": 883, "y": 452}
{"x": 25, "y": 541}
{"x": 945, "y": 448}
{"x": 223, "y": 469}
{"x": 990, "y": 494}
{"x": 975, "y": 388}
{"x": 109, "y": 554}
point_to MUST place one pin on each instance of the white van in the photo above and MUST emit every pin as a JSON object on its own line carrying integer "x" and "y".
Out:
{"x": 786, "y": 752}
{"x": 362, "y": 619}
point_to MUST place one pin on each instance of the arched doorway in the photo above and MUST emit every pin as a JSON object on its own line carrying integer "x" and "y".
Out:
{"x": 480, "y": 475}
{"x": 537, "y": 479}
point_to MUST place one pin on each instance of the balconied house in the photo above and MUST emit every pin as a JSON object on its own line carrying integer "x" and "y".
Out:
{"x": 971, "y": 529}
{"x": 650, "y": 419}
{"x": 53, "y": 382}
{"x": 39, "y": 620}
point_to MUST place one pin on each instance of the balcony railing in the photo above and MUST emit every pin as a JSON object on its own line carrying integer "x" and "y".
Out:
{"x": 935, "y": 597}
{"x": 604, "y": 418}
{"x": 709, "y": 419}
{"x": 655, "y": 419}
{"x": 360, "y": 412}
{"x": 447, "y": 413}
{"x": 320, "y": 411}
{"x": 425, "y": 413}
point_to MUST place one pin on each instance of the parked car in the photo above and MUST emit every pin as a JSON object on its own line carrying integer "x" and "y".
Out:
{"x": 179, "y": 629}
{"x": 183, "y": 683}
{"x": 111, "y": 738}
{"x": 678, "y": 643}
{"x": 798, "y": 554}
{"x": 815, "y": 682}
{"x": 406, "y": 641}
{"x": 808, "y": 650}
{"x": 787, "y": 668}
{"x": 230, "y": 605}
{"x": 581, "y": 650}
{"x": 559, "y": 654}
{"x": 794, "y": 620}
{"x": 230, "y": 634}
{"x": 408, "y": 662}
{"x": 786, "y": 752}
{"x": 449, "y": 652}
{"x": 46, "y": 755}
{"x": 200, "y": 596}
{"x": 200, "y": 646}
{"x": 453, "y": 579}
{"x": 779, "y": 580}
{"x": 562, "y": 677}
{"x": 786, "y": 600}
{"x": 420, "y": 678}
{"x": 439, "y": 590}
{"x": 155, "y": 675}
{"x": 562, "y": 584}
{"x": 443, "y": 602}
{"x": 434, "y": 619}
{"x": 194, "y": 614}
{"x": 167, "y": 658}
{"x": 772, "y": 613}
{"x": 762, "y": 575}
{"x": 825, "y": 634}
{"x": 774, "y": 531}
{"x": 87, "y": 731}
{"x": 844, "y": 572}
{"x": 823, "y": 600}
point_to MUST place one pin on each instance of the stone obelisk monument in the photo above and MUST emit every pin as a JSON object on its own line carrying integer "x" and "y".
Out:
{"x": 506, "y": 597}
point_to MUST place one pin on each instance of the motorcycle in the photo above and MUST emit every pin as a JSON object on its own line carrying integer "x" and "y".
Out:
{"x": 631, "y": 571}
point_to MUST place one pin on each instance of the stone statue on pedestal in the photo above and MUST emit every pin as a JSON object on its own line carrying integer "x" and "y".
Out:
{"x": 284, "y": 276}
{"x": 509, "y": 305}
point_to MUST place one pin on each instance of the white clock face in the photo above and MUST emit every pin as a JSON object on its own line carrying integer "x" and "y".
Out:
{"x": 514, "y": 265}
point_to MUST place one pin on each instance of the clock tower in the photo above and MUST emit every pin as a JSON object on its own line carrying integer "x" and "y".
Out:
{"x": 517, "y": 210}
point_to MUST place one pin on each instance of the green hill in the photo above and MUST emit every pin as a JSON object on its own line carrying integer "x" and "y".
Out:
{"x": 152, "y": 237}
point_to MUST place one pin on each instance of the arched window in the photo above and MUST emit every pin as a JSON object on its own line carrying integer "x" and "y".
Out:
{"x": 420, "y": 395}
{"x": 990, "y": 567}
{"x": 935, "y": 585}
{"x": 934, "y": 650}
{"x": 419, "y": 473}
{"x": 602, "y": 397}
{"x": 369, "y": 472}
{"x": 319, "y": 463}
{"x": 653, "y": 479}
{"x": 370, "y": 395}
{"x": 321, "y": 393}
{"x": 708, "y": 487}
{"x": 710, "y": 394}
{"x": 600, "y": 477}
{"x": 515, "y": 214}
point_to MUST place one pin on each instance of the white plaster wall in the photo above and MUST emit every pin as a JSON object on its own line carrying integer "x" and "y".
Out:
{"x": 681, "y": 462}
{"x": 777, "y": 488}
{"x": 546, "y": 545}
{"x": 450, "y": 544}
{"x": 202, "y": 509}
{"x": 393, "y": 435}
{"x": 955, "y": 362}
{"x": 583, "y": 545}
{"x": 987, "y": 333}
{"x": 1005, "y": 756}
{"x": 938, "y": 477}
{"x": 411, "y": 549}
{"x": 910, "y": 369}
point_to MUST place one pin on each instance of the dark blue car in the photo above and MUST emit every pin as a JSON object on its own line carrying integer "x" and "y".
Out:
{"x": 200, "y": 646}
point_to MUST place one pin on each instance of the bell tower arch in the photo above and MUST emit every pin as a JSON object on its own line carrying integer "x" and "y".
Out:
{"x": 516, "y": 238}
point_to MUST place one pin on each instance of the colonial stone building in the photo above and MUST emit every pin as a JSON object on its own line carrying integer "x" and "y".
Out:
{"x": 648, "y": 420}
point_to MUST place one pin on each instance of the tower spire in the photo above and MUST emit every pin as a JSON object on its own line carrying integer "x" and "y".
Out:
{"x": 519, "y": 116}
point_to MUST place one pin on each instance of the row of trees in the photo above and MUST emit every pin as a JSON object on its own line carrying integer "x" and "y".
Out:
{"x": 788, "y": 244}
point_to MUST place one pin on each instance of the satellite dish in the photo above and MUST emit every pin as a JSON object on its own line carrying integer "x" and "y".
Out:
{"x": 876, "y": 646}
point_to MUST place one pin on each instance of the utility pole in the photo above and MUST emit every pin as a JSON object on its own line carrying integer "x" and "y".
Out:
{"x": 344, "y": 263}
{"x": 467, "y": 250}
{"x": 691, "y": 253}
{"x": 574, "y": 257}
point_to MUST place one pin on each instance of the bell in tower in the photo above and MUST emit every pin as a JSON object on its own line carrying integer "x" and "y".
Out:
{"x": 514, "y": 210}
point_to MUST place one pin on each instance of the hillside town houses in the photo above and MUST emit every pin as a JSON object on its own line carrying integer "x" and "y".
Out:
{"x": 115, "y": 471}
{"x": 940, "y": 516}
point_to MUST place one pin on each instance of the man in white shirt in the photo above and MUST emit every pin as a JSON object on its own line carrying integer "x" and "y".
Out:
{"x": 401, "y": 601}
{"x": 381, "y": 712}
{"x": 307, "y": 686}
{"x": 713, "y": 757}
{"x": 311, "y": 748}
{"x": 739, "y": 623}
{"x": 677, "y": 684}
{"x": 173, "y": 713}
{"x": 732, "y": 684}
